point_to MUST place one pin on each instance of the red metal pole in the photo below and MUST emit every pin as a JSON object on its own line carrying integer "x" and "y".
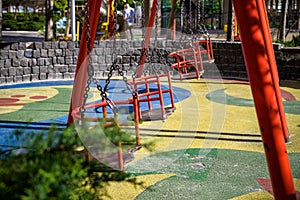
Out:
{"x": 261, "y": 68}
{"x": 80, "y": 81}
{"x": 273, "y": 67}
{"x": 147, "y": 38}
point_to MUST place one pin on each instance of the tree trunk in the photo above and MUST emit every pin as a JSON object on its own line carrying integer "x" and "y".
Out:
{"x": 68, "y": 25}
{"x": 146, "y": 12}
{"x": 283, "y": 20}
{"x": 225, "y": 13}
{"x": 230, "y": 27}
{"x": 0, "y": 20}
{"x": 171, "y": 19}
{"x": 298, "y": 20}
{"x": 49, "y": 20}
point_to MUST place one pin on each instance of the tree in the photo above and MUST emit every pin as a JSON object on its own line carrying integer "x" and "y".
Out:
{"x": 68, "y": 25}
{"x": 230, "y": 27}
{"x": 298, "y": 20}
{"x": 171, "y": 18}
{"x": 283, "y": 20}
{"x": 49, "y": 20}
{"x": 0, "y": 20}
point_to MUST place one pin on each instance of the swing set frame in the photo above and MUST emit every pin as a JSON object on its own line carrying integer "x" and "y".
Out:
{"x": 264, "y": 82}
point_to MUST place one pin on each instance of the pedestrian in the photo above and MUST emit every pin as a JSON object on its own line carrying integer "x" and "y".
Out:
{"x": 129, "y": 14}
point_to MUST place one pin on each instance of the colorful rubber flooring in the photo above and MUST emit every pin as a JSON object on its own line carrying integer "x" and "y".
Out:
{"x": 209, "y": 148}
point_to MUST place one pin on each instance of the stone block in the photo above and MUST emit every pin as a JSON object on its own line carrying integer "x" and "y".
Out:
{"x": 48, "y": 61}
{"x": 42, "y": 76}
{"x": 68, "y": 52}
{"x": 9, "y": 79}
{"x": 60, "y": 60}
{"x": 69, "y": 60}
{"x": 36, "y": 53}
{"x": 20, "y": 53}
{"x": 67, "y": 75}
{"x": 35, "y": 70}
{"x": 51, "y": 53}
{"x": 38, "y": 45}
{"x": 54, "y": 45}
{"x": 28, "y": 53}
{"x": 14, "y": 46}
{"x": 4, "y": 71}
{"x": 34, "y": 77}
{"x": 63, "y": 44}
{"x": 71, "y": 45}
{"x": 18, "y": 79}
{"x": 98, "y": 51}
{"x": 24, "y": 63}
{"x": 2, "y": 80}
{"x": 12, "y": 54}
{"x": 50, "y": 69}
{"x": 32, "y": 62}
{"x": 22, "y": 46}
{"x": 26, "y": 70}
{"x": 44, "y": 53}
{"x": 19, "y": 71}
{"x": 7, "y": 63}
{"x": 26, "y": 78}
{"x": 40, "y": 61}
{"x": 72, "y": 68}
{"x": 63, "y": 68}
{"x": 43, "y": 69}
{"x": 58, "y": 52}
{"x": 4, "y": 54}
{"x": 47, "y": 45}
{"x": 15, "y": 62}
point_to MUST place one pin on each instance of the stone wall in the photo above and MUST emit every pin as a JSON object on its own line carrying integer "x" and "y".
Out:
{"x": 33, "y": 61}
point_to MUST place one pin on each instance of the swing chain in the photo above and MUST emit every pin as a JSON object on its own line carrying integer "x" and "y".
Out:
{"x": 90, "y": 68}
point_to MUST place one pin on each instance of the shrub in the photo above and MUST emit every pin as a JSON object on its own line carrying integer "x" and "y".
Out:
{"x": 51, "y": 168}
{"x": 23, "y": 21}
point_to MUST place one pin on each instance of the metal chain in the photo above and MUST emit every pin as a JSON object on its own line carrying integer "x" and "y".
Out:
{"x": 90, "y": 69}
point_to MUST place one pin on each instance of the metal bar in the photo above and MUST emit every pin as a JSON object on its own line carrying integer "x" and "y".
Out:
{"x": 81, "y": 74}
{"x": 147, "y": 39}
{"x": 264, "y": 85}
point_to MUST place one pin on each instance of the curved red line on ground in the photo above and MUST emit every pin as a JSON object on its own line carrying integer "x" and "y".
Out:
{"x": 7, "y": 100}
{"x": 38, "y": 97}
{"x": 12, "y": 104}
{"x": 18, "y": 96}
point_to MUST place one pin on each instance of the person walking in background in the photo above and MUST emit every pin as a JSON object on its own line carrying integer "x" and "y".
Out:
{"x": 129, "y": 14}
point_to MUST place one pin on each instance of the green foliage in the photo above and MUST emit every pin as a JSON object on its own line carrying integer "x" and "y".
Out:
{"x": 23, "y": 21}
{"x": 51, "y": 168}
{"x": 292, "y": 43}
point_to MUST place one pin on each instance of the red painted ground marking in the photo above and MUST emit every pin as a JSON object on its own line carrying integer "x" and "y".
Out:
{"x": 287, "y": 95}
{"x": 10, "y": 102}
{"x": 267, "y": 185}
{"x": 38, "y": 97}
{"x": 18, "y": 96}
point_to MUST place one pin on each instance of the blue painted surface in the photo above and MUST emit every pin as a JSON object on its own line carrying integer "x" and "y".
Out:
{"x": 117, "y": 90}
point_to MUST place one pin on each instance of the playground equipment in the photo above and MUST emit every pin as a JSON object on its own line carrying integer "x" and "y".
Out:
{"x": 262, "y": 71}
{"x": 189, "y": 59}
{"x": 261, "y": 67}
{"x": 79, "y": 112}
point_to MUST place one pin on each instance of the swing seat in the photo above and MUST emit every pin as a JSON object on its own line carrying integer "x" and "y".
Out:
{"x": 204, "y": 46}
{"x": 114, "y": 135}
{"x": 146, "y": 93}
{"x": 186, "y": 63}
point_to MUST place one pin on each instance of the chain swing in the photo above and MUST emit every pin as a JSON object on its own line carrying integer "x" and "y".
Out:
{"x": 80, "y": 113}
{"x": 148, "y": 87}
